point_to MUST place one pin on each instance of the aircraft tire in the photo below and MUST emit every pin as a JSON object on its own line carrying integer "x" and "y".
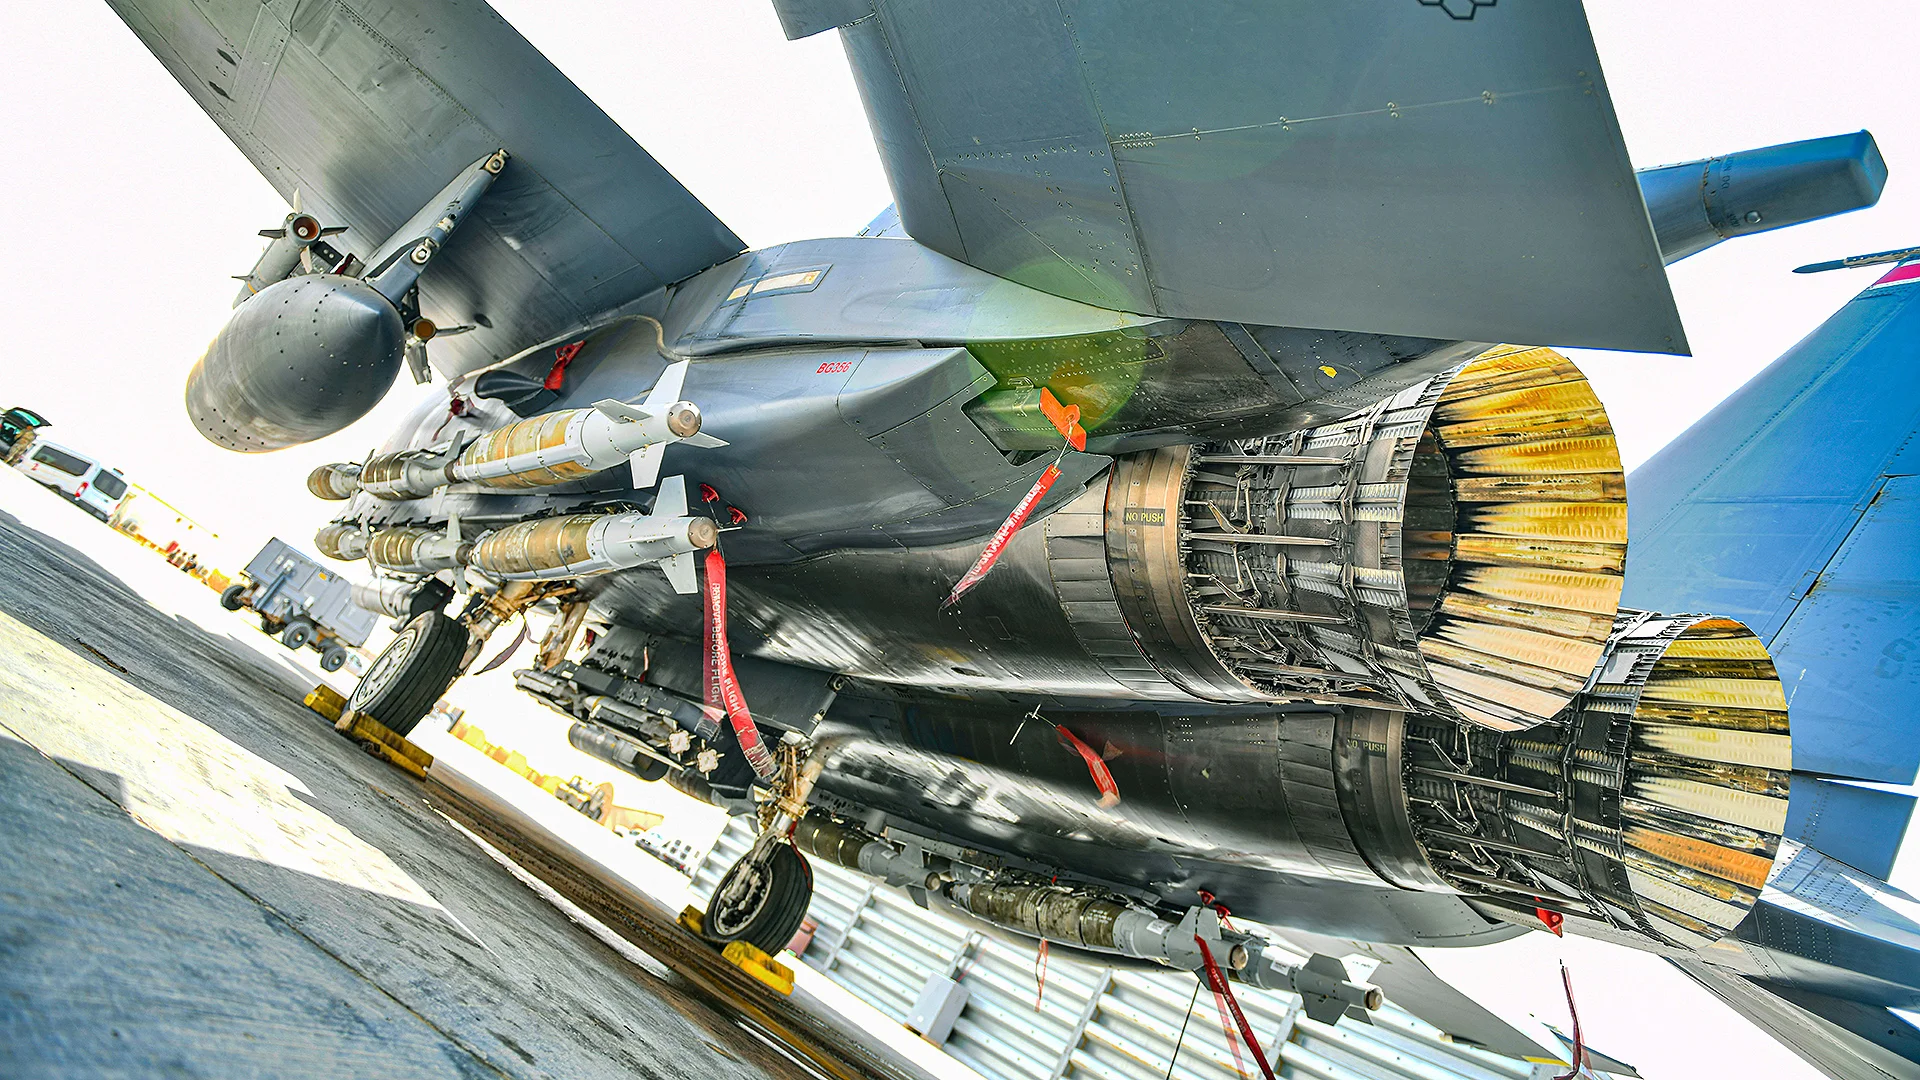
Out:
{"x": 234, "y": 598}
{"x": 777, "y": 890}
{"x": 406, "y": 679}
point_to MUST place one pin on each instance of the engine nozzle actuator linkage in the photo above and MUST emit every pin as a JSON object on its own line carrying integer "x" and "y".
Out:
{"x": 1093, "y": 920}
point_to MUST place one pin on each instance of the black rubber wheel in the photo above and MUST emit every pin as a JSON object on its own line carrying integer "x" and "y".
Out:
{"x": 234, "y": 598}
{"x": 761, "y": 901}
{"x": 333, "y": 658}
{"x": 297, "y": 634}
{"x": 406, "y": 679}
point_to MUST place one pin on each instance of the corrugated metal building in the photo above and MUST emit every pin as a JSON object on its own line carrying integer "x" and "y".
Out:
{"x": 1092, "y": 1023}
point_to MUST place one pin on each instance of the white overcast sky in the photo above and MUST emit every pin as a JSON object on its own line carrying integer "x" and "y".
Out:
{"x": 123, "y": 211}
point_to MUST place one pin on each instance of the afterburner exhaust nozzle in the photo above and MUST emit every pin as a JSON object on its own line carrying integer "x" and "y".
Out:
{"x": 1652, "y": 808}
{"x": 1456, "y": 549}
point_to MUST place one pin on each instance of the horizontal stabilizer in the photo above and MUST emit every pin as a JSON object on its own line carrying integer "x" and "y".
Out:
{"x": 1832, "y": 1047}
{"x": 1252, "y": 162}
{"x": 1852, "y": 261}
{"x": 1880, "y": 1026}
{"x": 1860, "y": 826}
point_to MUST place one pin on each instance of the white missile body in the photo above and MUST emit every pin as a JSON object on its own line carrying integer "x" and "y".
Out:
{"x": 540, "y": 451}
{"x": 580, "y": 545}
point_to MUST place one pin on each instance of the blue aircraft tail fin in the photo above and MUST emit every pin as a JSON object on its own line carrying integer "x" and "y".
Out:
{"x": 1794, "y": 506}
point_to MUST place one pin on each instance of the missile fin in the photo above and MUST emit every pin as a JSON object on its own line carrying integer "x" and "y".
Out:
{"x": 622, "y": 411}
{"x": 679, "y": 571}
{"x": 671, "y": 500}
{"x": 646, "y": 464}
{"x": 703, "y": 440}
{"x": 667, "y": 390}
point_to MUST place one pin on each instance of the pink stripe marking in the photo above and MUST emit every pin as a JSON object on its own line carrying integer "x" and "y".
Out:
{"x": 1906, "y": 272}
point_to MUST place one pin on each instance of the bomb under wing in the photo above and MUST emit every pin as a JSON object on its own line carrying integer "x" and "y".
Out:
{"x": 540, "y": 451}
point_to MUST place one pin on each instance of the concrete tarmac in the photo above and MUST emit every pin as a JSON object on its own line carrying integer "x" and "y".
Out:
{"x": 198, "y": 878}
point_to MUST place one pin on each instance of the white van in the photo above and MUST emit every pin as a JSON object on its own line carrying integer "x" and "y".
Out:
{"x": 85, "y": 482}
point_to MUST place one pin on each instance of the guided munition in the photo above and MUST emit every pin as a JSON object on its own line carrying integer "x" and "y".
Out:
{"x": 552, "y": 448}
{"x": 546, "y": 549}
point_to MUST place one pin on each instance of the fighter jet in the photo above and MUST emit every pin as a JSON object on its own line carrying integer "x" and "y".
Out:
{"x": 1172, "y": 505}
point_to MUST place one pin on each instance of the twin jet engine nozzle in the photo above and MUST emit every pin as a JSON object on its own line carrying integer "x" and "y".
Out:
{"x": 540, "y": 451}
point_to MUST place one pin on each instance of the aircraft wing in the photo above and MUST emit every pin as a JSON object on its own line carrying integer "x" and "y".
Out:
{"x": 367, "y": 108}
{"x": 1433, "y": 168}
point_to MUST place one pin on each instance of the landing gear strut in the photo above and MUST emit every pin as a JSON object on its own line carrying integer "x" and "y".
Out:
{"x": 763, "y": 898}
{"x": 433, "y": 649}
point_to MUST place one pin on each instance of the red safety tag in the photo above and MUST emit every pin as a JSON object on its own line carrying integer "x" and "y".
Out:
{"x": 1064, "y": 418}
{"x": 1553, "y": 919}
{"x": 1223, "y": 992}
{"x": 722, "y": 688}
{"x": 1579, "y": 1054}
{"x": 1096, "y": 768}
{"x": 562, "y": 356}
{"x": 1004, "y": 534}
{"x": 1039, "y": 974}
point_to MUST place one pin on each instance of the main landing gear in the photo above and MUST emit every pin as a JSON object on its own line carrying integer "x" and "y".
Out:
{"x": 410, "y": 675}
{"x": 763, "y": 898}
{"x": 433, "y": 650}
